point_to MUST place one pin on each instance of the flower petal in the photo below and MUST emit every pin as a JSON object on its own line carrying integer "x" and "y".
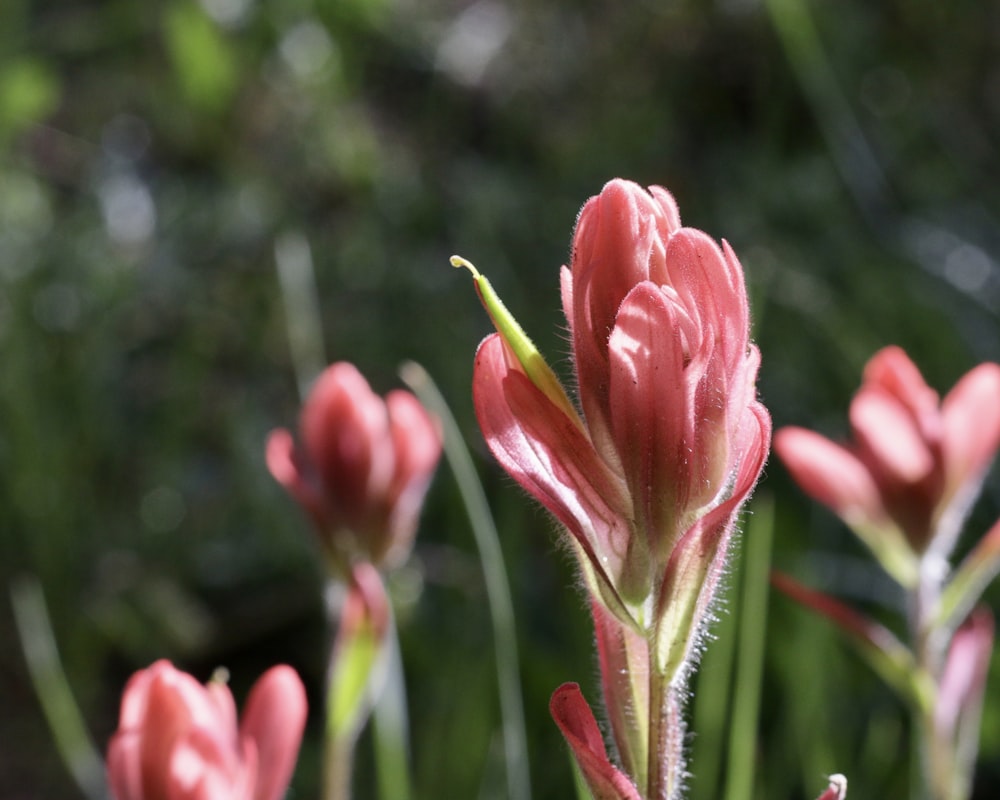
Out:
{"x": 892, "y": 370}
{"x": 124, "y": 765}
{"x": 274, "y": 718}
{"x": 710, "y": 286}
{"x": 650, "y": 412}
{"x": 416, "y": 439}
{"x": 963, "y": 679}
{"x": 889, "y": 439}
{"x": 612, "y": 243}
{"x": 344, "y": 429}
{"x": 201, "y": 767}
{"x": 971, "y": 414}
{"x": 831, "y": 474}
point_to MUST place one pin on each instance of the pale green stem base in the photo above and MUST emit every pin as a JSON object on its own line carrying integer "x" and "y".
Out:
{"x": 390, "y": 726}
{"x": 338, "y": 761}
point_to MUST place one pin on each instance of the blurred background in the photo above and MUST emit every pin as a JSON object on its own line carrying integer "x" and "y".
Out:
{"x": 167, "y": 168}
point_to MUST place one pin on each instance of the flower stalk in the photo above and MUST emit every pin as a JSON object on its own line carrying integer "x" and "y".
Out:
{"x": 360, "y": 470}
{"x": 905, "y": 485}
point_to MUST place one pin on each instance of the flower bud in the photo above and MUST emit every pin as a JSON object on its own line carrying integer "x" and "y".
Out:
{"x": 362, "y": 468}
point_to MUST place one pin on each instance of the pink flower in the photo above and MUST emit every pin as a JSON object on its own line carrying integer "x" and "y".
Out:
{"x": 916, "y": 464}
{"x": 671, "y": 439}
{"x": 179, "y": 740}
{"x": 363, "y": 466}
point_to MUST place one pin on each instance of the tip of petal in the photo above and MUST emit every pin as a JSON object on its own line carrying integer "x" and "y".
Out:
{"x": 278, "y": 455}
{"x": 830, "y": 474}
{"x": 274, "y": 721}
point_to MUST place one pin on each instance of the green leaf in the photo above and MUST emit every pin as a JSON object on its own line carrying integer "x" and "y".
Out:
{"x": 887, "y": 655}
{"x": 29, "y": 92}
{"x": 204, "y": 60}
{"x": 970, "y": 579}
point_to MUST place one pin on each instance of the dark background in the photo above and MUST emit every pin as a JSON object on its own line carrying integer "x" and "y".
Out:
{"x": 154, "y": 159}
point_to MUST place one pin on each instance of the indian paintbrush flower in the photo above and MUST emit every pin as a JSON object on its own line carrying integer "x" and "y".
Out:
{"x": 648, "y": 476}
{"x": 916, "y": 464}
{"x": 648, "y": 479}
{"x": 179, "y": 740}
{"x": 362, "y": 468}
{"x": 905, "y": 485}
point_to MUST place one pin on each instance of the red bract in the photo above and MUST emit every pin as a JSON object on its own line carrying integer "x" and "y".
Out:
{"x": 916, "y": 464}
{"x": 577, "y": 723}
{"x": 363, "y": 466}
{"x": 671, "y": 438}
{"x": 179, "y": 740}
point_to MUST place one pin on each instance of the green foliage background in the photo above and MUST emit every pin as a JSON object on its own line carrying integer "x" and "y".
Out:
{"x": 153, "y": 154}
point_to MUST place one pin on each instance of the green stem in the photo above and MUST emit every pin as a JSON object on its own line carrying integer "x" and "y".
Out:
{"x": 750, "y": 665}
{"x": 337, "y": 764}
{"x": 293, "y": 259}
{"x": 390, "y": 726}
{"x": 666, "y": 738}
{"x": 495, "y": 575}
{"x": 934, "y": 753}
{"x": 62, "y": 713}
{"x": 712, "y": 701}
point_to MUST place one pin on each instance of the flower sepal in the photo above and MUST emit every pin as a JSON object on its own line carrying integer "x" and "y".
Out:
{"x": 520, "y": 345}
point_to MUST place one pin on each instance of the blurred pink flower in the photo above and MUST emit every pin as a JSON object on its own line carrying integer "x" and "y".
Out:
{"x": 672, "y": 437}
{"x": 179, "y": 740}
{"x": 362, "y": 468}
{"x": 916, "y": 464}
